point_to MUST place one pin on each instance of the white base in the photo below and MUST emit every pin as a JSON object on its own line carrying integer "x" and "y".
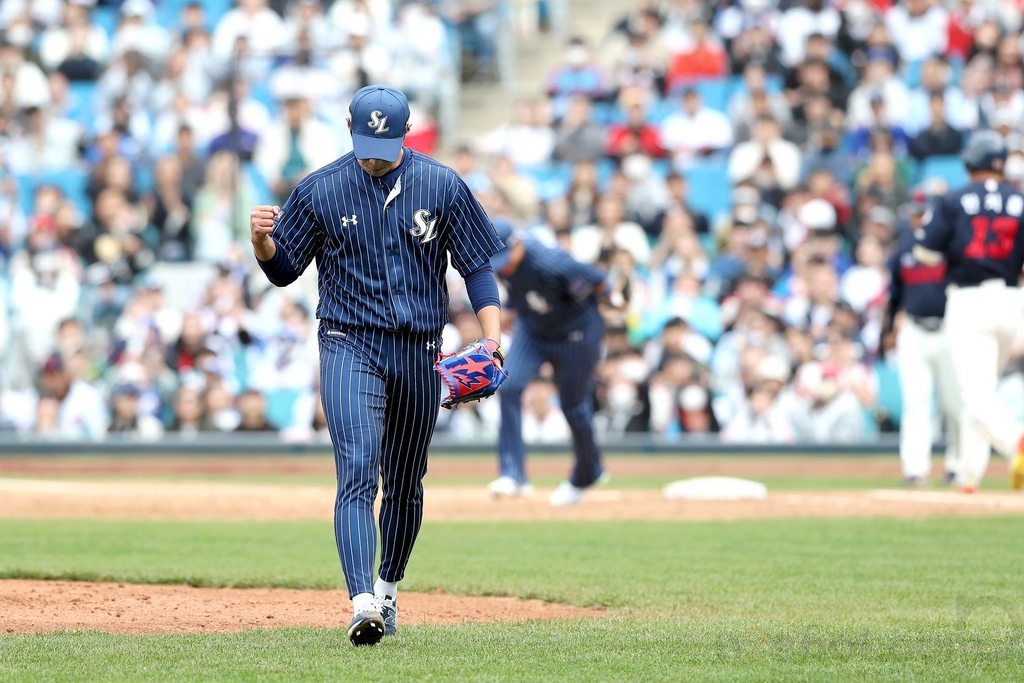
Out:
{"x": 715, "y": 488}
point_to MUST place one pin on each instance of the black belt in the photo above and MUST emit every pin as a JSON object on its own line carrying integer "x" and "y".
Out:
{"x": 932, "y": 324}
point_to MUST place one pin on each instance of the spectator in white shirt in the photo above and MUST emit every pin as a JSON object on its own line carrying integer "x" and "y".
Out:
{"x": 797, "y": 23}
{"x": 918, "y": 28}
{"x": 47, "y": 144}
{"x": 56, "y": 43}
{"x": 764, "y": 417}
{"x": 138, "y": 31}
{"x": 364, "y": 60}
{"x": 768, "y": 160}
{"x": 961, "y": 112}
{"x": 866, "y": 281}
{"x": 253, "y": 20}
{"x": 295, "y": 145}
{"x": 44, "y": 293}
{"x": 695, "y": 129}
{"x": 30, "y": 88}
{"x": 528, "y": 142}
{"x": 879, "y": 81}
{"x": 344, "y": 13}
{"x": 81, "y": 412}
{"x": 307, "y": 16}
{"x": 420, "y": 53}
{"x": 543, "y": 422}
{"x": 596, "y": 242}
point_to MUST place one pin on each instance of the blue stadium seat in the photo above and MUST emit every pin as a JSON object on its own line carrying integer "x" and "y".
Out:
{"x": 889, "y": 398}
{"x": 949, "y": 168}
{"x": 144, "y": 180}
{"x": 710, "y": 189}
{"x": 107, "y": 18}
{"x": 605, "y": 113}
{"x": 260, "y": 92}
{"x": 281, "y": 407}
{"x": 956, "y": 71}
{"x": 215, "y": 9}
{"x": 662, "y": 167}
{"x": 662, "y": 110}
{"x": 167, "y": 14}
{"x": 259, "y": 184}
{"x": 81, "y": 102}
{"x": 715, "y": 93}
{"x": 71, "y": 182}
{"x": 911, "y": 74}
{"x": 605, "y": 170}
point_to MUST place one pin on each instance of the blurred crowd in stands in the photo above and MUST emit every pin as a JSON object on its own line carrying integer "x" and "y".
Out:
{"x": 742, "y": 169}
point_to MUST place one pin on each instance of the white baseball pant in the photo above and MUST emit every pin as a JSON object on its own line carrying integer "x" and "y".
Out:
{"x": 925, "y": 368}
{"x": 980, "y": 326}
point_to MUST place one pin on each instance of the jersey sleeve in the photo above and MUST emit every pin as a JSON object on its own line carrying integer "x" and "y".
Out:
{"x": 298, "y": 234}
{"x": 472, "y": 239}
{"x": 938, "y": 230}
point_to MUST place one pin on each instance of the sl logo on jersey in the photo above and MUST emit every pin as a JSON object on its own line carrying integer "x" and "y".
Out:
{"x": 345, "y": 220}
{"x": 426, "y": 227}
{"x": 378, "y": 122}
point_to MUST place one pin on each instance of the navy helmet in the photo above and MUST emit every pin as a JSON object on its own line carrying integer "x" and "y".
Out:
{"x": 985, "y": 151}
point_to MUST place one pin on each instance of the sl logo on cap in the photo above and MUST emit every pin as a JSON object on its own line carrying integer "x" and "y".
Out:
{"x": 378, "y": 122}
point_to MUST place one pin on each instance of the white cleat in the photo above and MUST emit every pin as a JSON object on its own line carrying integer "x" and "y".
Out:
{"x": 507, "y": 487}
{"x": 567, "y": 494}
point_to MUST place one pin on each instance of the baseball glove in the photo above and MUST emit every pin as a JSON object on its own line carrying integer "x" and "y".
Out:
{"x": 471, "y": 374}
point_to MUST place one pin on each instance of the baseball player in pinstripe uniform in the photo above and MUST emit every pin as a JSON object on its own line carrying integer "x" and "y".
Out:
{"x": 382, "y": 223}
{"x": 556, "y": 299}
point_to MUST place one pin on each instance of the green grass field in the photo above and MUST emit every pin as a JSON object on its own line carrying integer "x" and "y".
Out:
{"x": 936, "y": 599}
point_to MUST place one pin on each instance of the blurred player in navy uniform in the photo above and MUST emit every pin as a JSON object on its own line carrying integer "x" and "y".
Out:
{"x": 978, "y": 231}
{"x": 382, "y": 222}
{"x": 922, "y": 356}
{"x": 556, "y": 301}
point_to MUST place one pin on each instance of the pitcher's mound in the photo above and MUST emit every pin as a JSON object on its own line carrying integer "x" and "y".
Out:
{"x": 41, "y": 606}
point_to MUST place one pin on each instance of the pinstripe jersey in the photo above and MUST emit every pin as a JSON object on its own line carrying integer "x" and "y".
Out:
{"x": 552, "y": 291}
{"x": 382, "y": 245}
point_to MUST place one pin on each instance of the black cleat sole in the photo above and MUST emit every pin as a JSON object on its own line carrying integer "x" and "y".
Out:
{"x": 366, "y": 629}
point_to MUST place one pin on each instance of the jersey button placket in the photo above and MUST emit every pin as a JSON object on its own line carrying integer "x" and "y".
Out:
{"x": 394, "y": 267}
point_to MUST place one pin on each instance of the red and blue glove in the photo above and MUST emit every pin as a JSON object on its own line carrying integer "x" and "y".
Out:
{"x": 472, "y": 374}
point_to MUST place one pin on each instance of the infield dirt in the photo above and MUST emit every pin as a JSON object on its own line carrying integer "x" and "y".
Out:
{"x": 40, "y": 498}
{"x": 41, "y": 606}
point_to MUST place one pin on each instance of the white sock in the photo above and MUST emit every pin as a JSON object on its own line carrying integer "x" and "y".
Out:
{"x": 382, "y": 588}
{"x": 364, "y": 602}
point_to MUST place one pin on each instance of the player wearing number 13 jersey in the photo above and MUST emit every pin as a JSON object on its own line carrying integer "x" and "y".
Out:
{"x": 978, "y": 231}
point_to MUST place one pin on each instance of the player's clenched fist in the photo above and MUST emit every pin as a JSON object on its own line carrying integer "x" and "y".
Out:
{"x": 261, "y": 224}
{"x": 261, "y": 221}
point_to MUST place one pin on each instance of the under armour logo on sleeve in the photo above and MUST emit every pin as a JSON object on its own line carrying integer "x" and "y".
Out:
{"x": 345, "y": 220}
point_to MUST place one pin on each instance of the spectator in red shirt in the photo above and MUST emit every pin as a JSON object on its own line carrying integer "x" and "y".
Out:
{"x": 634, "y": 135}
{"x": 704, "y": 60}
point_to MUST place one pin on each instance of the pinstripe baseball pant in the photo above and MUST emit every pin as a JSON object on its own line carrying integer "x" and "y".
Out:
{"x": 381, "y": 396}
{"x": 574, "y": 359}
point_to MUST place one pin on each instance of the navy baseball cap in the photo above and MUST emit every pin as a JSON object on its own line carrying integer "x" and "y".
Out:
{"x": 379, "y": 116}
{"x": 500, "y": 260}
